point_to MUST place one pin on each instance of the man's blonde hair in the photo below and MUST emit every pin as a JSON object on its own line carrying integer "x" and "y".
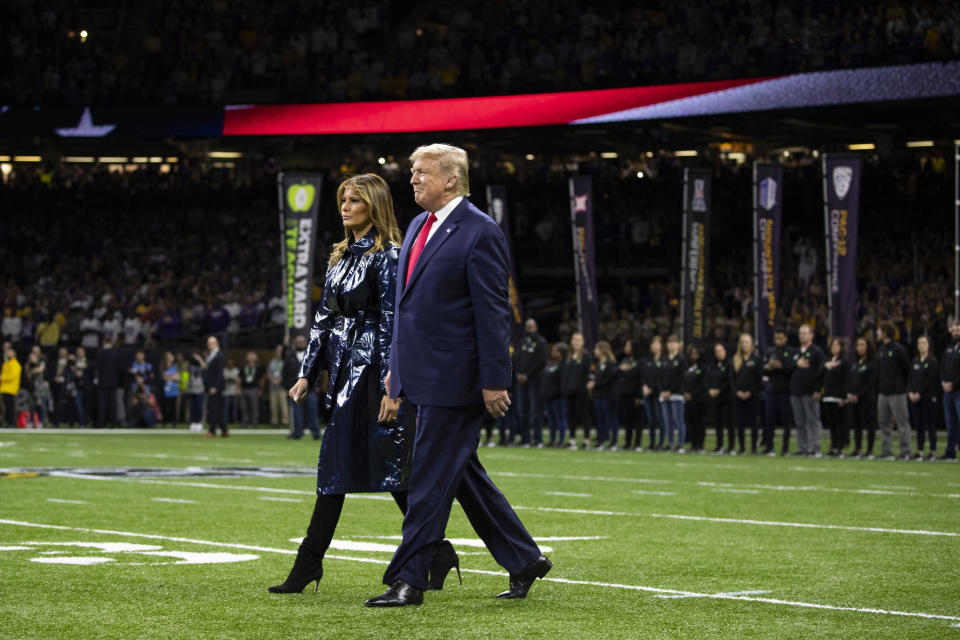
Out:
{"x": 453, "y": 162}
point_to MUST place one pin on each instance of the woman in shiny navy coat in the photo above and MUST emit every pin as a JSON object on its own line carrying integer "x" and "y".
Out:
{"x": 365, "y": 446}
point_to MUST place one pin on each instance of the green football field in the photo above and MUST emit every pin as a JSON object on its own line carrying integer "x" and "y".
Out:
{"x": 644, "y": 545}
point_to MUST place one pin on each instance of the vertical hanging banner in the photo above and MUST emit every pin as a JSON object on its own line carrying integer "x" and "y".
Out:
{"x": 581, "y": 217}
{"x": 299, "y": 195}
{"x": 841, "y": 208}
{"x": 497, "y": 207}
{"x": 767, "y": 214}
{"x": 695, "y": 256}
{"x": 956, "y": 232}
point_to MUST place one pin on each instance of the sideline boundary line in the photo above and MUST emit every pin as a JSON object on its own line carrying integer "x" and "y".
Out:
{"x": 610, "y": 585}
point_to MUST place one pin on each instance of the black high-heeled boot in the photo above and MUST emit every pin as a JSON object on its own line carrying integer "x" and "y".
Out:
{"x": 306, "y": 568}
{"x": 309, "y": 563}
{"x": 444, "y": 559}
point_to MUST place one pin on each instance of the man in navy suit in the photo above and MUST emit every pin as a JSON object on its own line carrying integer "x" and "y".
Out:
{"x": 450, "y": 359}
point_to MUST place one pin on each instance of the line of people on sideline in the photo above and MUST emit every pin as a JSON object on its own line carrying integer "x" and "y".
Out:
{"x": 672, "y": 393}
{"x": 109, "y": 389}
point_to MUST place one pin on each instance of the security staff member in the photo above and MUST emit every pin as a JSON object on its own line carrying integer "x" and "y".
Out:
{"x": 950, "y": 381}
{"x": 531, "y": 359}
{"x": 893, "y": 368}
{"x": 718, "y": 390}
{"x": 778, "y": 367}
{"x": 805, "y": 384}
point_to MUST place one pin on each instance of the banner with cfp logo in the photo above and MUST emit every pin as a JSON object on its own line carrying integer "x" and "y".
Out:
{"x": 497, "y": 209}
{"x": 299, "y": 200}
{"x": 841, "y": 187}
{"x": 767, "y": 216}
{"x": 697, "y": 185}
{"x": 581, "y": 216}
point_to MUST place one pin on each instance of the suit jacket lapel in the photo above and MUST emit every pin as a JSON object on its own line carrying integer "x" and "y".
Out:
{"x": 444, "y": 231}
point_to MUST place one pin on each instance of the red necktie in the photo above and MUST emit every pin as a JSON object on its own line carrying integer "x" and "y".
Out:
{"x": 418, "y": 245}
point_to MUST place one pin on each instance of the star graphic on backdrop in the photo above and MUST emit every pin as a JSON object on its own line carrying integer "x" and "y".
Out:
{"x": 85, "y": 128}
{"x": 580, "y": 203}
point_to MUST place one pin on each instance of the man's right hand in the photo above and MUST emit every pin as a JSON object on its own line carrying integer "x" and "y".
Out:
{"x": 948, "y": 387}
{"x": 299, "y": 390}
{"x": 497, "y": 402}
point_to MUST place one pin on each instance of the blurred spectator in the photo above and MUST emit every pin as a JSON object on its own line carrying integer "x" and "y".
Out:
{"x": 278, "y": 393}
{"x": 251, "y": 385}
{"x": 10, "y": 384}
{"x": 231, "y": 392}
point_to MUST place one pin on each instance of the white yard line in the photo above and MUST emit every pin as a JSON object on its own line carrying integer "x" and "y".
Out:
{"x": 174, "y": 500}
{"x": 61, "y": 501}
{"x": 763, "y": 523}
{"x": 741, "y": 596}
{"x": 596, "y": 512}
{"x": 572, "y": 495}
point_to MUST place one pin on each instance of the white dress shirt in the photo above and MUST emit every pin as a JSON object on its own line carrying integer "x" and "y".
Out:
{"x": 445, "y": 211}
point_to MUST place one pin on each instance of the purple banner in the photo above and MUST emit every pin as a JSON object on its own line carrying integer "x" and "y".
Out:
{"x": 299, "y": 195}
{"x": 697, "y": 185}
{"x": 497, "y": 208}
{"x": 841, "y": 195}
{"x": 581, "y": 216}
{"x": 767, "y": 214}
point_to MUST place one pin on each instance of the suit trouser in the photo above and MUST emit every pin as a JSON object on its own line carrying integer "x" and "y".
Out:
{"x": 278, "y": 407}
{"x": 778, "y": 406}
{"x": 890, "y": 409}
{"x": 531, "y": 412}
{"x": 806, "y": 415}
{"x": 951, "y": 416}
{"x": 250, "y": 407}
{"x": 444, "y": 465}
{"x": 107, "y": 407}
{"x": 215, "y": 412}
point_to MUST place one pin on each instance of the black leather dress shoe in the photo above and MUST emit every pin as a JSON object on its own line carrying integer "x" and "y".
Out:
{"x": 520, "y": 583}
{"x": 400, "y": 594}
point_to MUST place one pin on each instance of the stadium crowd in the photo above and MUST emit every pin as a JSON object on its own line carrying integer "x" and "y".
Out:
{"x": 193, "y": 252}
{"x": 181, "y": 52}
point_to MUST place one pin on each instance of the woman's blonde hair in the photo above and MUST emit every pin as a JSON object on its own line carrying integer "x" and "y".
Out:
{"x": 453, "y": 162}
{"x": 605, "y": 351}
{"x": 739, "y": 356}
{"x": 375, "y": 193}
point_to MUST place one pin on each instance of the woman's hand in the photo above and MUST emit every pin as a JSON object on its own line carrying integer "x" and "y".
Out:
{"x": 388, "y": 409}
{"x": 299, "y": 390}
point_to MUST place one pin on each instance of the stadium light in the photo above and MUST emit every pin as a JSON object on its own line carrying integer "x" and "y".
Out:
{"x": 4, "y": 158}
{"x": 609, "y": 155}
{"x": 112, "y": 159}
{"x": 862, "y": 146}
{"x": 27, "y": 159}
{"x": 649, "y": 154}
{"x": 381, "y": 160}
{"x": 156, "y": 159}
{"x": 529, "y": 156}
{"x": 78, "y": 159}
{"x": 5, "y": 169}
{"x": 913, "y": 144}
{"x": 172, "y": 159}
{"x": 222, "y": 154}
{"x": 139, "y": 159}
{"x": 83, "y": 35}
{"x": 640, "y": 175}
{"x": 688, "y": 153}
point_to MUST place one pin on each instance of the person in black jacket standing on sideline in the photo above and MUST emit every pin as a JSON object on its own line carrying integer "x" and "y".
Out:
{"x": 718, "y": 390}
{"x": 650, "y": 386}
{"x": 552, "y": 395}
{"x": 671, "y": 396}
{"x": 922, "y": 394}
{"x": 109, "y": 377}
{"x": 695, "y": 397}
{"x": 861, "y": 397}
{"x": 893, "y": 368}
{"x": 805, "y": 384}
{"x": 576, "y": 374}
{"x": 627, "y": 390}
{"x": 778, "y": 367}
{"x": 214, "y": 383}
{"x": 530, "y": 362}
{"x": 747, "y": 384}
{"x": 950, "y": 381}
{"x": 604, "y": 401}
{"x": 835, "y": 375}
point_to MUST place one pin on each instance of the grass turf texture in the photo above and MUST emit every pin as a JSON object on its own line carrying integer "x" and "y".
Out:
{"x": 629, "y": 495}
